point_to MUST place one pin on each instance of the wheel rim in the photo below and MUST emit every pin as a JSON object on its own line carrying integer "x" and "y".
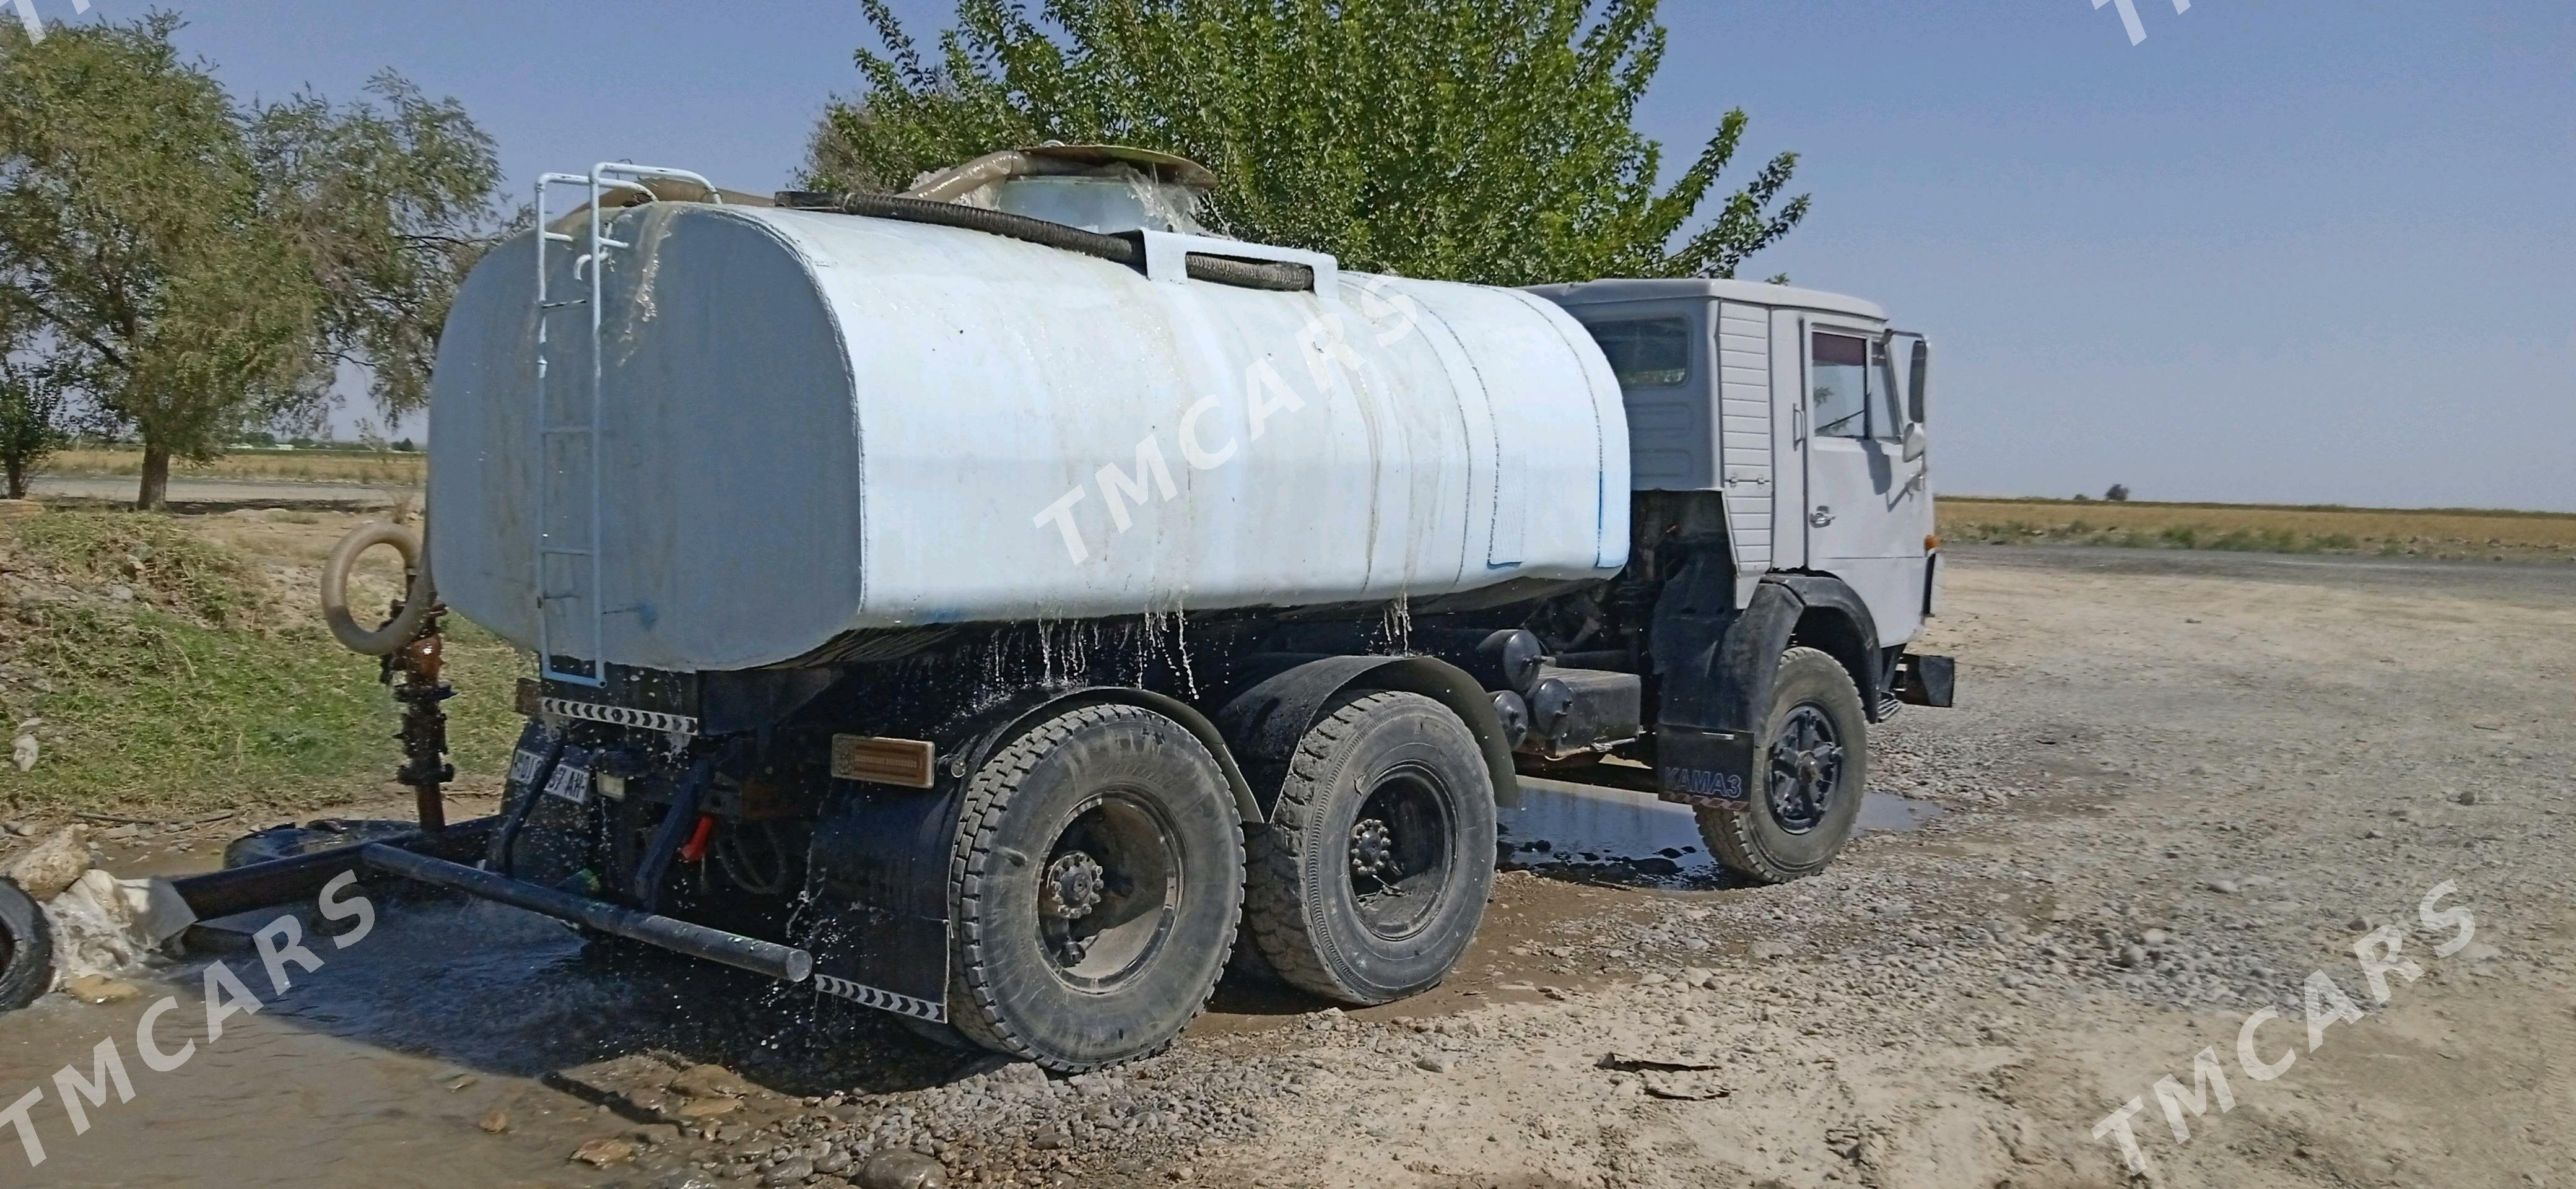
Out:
{"x": 1399, "y": 854}
{"x": 1108, "y": 892}
{"x": 1806, "y": 769}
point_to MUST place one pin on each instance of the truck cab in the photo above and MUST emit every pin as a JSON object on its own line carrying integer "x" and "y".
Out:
{"x": 1802, "y": 412}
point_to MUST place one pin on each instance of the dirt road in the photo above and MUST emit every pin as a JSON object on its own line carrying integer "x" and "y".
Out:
{"x": 2179, "y": 789}
{"x": 221, "y": 493}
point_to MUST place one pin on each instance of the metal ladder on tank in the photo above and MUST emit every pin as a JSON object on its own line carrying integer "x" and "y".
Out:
{"x": 578, "y": 557}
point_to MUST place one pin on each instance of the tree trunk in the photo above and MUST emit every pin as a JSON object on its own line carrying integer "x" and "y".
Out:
{"x": 17, "y": 482}
{"x": 156, "y": 478}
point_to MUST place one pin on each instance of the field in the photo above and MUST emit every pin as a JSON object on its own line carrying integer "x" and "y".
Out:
{"x": 2467, "y": 533}
{"x": 171, "y": 665}
{"x": 377, "y": 468}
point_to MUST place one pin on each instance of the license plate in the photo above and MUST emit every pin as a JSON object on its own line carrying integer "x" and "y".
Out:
{"x": 571, "y": 780}
{"x": 524, "y": 764}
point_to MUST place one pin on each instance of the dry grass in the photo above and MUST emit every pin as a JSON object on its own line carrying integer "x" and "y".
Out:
{"x": 2421, "y": 532}
{"x": 375, "y": 468}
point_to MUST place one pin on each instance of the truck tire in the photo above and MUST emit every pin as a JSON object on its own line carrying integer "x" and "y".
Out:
{"x": 26, "y": 949}
{"x": 1805, "y": 789}
{"x": 1094, "y": 888}
{"x": 1369, "y": 881}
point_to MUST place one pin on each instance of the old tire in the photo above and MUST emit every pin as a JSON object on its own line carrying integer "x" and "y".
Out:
{"x": 1369, "y": 881}
{"x": 1094, "y": 889}
{"x": 1804, "y": 794}
{"x": 26, "y": 949}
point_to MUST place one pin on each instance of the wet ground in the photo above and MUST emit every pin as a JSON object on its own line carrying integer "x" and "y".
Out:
{"x": 447, "y": 1046}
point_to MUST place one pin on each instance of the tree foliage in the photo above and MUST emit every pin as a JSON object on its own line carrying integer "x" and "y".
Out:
{"x": 132, "y": 229}
{"x": 195, "y": 268}
{"x": 34, "y": 417}
{"x": 391, "y": 200}
{"x": 1484, "y": 140}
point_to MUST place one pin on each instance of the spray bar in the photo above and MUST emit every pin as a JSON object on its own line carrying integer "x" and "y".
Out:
{"x": 785, "y": 963}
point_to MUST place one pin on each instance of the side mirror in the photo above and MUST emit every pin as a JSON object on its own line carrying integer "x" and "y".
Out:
{"x": 1916, "y": 441}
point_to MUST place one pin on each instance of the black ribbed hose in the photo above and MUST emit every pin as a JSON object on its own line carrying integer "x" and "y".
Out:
{"x": 1122, "y": 249}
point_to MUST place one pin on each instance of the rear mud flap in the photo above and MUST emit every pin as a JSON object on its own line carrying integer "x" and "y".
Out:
{"x": 880, "y": 885}
{"x": 1711, "y": 769}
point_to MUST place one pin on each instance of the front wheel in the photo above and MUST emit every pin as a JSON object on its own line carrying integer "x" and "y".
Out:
{"x": 1807, "y": 786}
{"x": 1094, "y": 889}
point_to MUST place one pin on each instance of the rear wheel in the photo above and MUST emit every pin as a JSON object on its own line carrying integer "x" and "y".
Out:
{"x": 1094, "y": 889}
{"x": 1369, "y": 881}
{"x": 1807, "y": 785}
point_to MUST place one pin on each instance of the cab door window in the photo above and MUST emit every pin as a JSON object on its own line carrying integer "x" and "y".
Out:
{"x": 1840, "y": 395}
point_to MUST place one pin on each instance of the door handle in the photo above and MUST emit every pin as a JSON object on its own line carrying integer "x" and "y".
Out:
{"x": 1821, "y": 517}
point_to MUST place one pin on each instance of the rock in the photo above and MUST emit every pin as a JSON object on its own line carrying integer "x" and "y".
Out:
{"x": 1436, "y": 1062}
{"x": 708, "y": 1108}
{"x": 2468, "y": 796}
{"x": 121, "y": 593}
{"x": 2153, "y": 937}
{"x": 902, "y": 1170}
{"x": 2224, "y": 887}
{"x": 832, "y": 1163}
{"x": 1695, "y": 976}
{"x": 50, "y": 867}
{"x": 494, "y": 1122}
{"x": 17, "y": 829}
{"x": 23, "y": 752}
{"x": 100, "y": 989}
{"x": 600, "y": 1153}
{"x": 1770, "y": 951}
{"x": 709, "y": 1081}
{"x": 2135, "y": 955}
{"x": 655, "y": 1135}
{"x": 794, "y": 1172}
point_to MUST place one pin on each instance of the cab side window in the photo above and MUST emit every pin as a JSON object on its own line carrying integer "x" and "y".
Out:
{"x": 1647, "y": 352}
{"x": 1839, "y": 395}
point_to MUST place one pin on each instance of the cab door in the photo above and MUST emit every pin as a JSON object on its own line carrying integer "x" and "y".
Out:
{"x": 1868, "y": 505}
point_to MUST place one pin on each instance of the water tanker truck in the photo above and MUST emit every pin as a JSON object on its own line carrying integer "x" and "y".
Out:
{"x": 1009, "y": 606}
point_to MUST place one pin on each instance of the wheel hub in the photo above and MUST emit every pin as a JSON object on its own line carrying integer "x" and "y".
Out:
{"x": 1806, "y": 770}
{"x": 1072, "y": 889}
{"x": 1373, "y": 851}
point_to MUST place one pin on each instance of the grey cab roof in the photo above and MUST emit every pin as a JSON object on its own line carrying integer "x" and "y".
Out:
{"x": 1749, "y": 292}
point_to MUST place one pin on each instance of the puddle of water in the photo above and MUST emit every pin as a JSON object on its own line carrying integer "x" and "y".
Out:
{"x": 1561, "y": 824}
{"x": 331, "y": 1083}
{"x": 345, "y": 1078}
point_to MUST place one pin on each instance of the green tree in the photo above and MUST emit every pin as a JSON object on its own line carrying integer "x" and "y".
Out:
{"x": 1483, "y": 140}
{"x": 391, "y": 198}
{"x": 33, "y": 418}
{"x": 134, "y": 231}
{"x": 201, "y": 269}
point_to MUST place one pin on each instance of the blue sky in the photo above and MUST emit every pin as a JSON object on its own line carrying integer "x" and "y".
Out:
{"x": 2289, "y": 252}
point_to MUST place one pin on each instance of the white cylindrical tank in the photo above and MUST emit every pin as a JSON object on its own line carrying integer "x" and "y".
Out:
{"x": 811, "y": 423}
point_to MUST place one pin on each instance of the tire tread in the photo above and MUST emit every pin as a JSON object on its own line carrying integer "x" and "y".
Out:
{"x": 1729, "y": 832}
{"x": 972, "y": 1008}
